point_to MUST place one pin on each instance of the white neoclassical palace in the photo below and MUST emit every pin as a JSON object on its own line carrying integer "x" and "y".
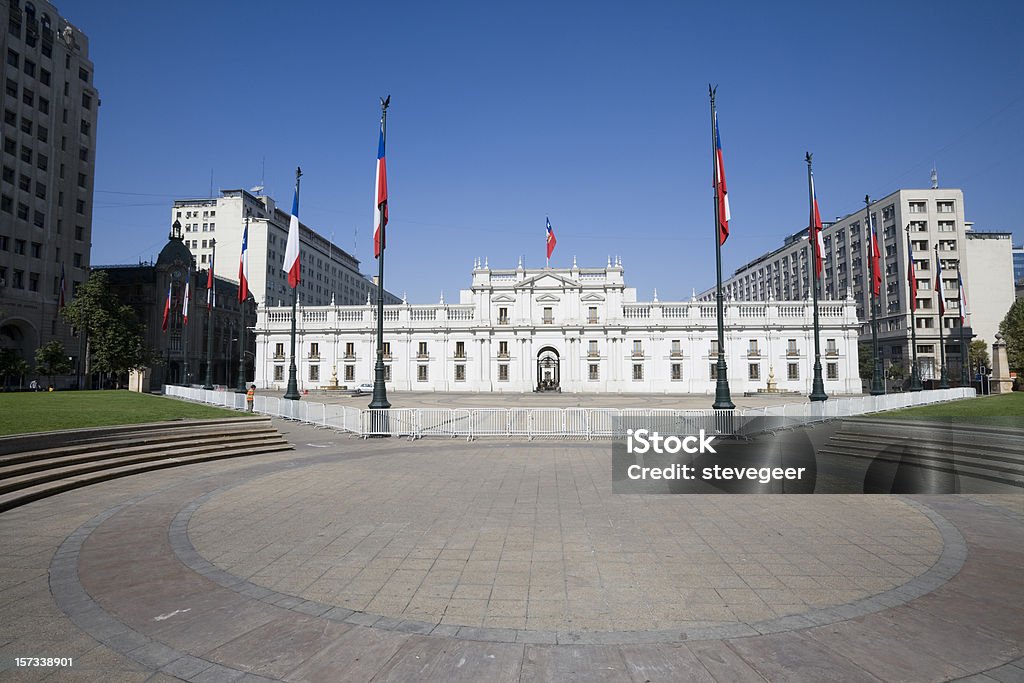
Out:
{"x": 570, "y": 330}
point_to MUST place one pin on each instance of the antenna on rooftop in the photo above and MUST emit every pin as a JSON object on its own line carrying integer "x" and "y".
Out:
{"x": 935, "y": 178}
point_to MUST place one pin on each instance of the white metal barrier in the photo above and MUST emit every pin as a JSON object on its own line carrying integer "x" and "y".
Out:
{"x": 562, "y": 423}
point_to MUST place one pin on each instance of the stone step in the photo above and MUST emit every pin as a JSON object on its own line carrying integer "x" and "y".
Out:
{"x": 50, "y": 488}
{"x": 1003, "y": 453}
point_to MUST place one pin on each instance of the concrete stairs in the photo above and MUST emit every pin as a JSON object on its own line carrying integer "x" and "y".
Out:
{"x": 993, "y": 454}
{"x": 33, "y": 466}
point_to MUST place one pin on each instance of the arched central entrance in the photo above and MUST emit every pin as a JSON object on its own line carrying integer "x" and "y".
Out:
{"x": 548, "y": 370}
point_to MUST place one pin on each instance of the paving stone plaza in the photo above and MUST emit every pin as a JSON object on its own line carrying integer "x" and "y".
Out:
{"x": 437, "y": 560}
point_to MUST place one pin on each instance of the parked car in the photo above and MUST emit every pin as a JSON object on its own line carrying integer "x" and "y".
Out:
{"x": 364, "y": 388}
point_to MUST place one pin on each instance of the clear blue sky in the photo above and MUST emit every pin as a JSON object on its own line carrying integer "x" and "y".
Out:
{"x": 592, "y": 113}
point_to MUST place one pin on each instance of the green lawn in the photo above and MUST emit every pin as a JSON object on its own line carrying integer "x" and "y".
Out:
{"x": 21, "y": 413}
{"x": 1002, "y": 410}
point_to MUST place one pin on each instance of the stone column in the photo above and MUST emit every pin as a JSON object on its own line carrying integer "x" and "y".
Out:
{"x": 1000, "y": 382}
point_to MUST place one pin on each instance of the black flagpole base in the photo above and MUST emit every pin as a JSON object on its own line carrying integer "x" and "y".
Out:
{"x": 379, "y": 423}
{"x": 723, "y": 399}
{"x": 877, "y": 388}
{"x": 292, "y": 393}
{"x": 818, "y": 384}
{"x": 915, "y": 380}
{"x": 944, "y": 379}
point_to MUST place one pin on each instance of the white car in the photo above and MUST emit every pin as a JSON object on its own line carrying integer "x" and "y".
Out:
{"x": 364, "y": 388}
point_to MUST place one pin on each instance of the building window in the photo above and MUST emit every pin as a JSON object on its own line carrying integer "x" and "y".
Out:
{"x": 460, "y": 372}
{"x": 752, "y": 349}
{"x": 503, "y": 316}
{"x": 387, "y": 373}
{"x": 279, "y": 350}
{"x": 314, "y": 351}
{"x": 714, "y": 349}
{"x": 592, "y": 348}
{"x": 754, "y": 371}
{"x": 314, "y": 373}
{"x": 713, "y": 374}
{"x": 460, "y": 351}
{"x": 791, "y": 349}
{"x": 502, "y": 372}
{"x": 422, "y": 352}
{"x": 387, "y": 350}
{"x": 278, "y": 373}
{"x": 638, "y": 348}
{"x": 350, "y": 350}
{"x": 831, "y": 348}
{"x": 793, "y": 371}
{"x": 918, "y": 207}
{"x": 549, "y": 316}
{"x": 592, "y": 315}
{"x": 638, "y": 372}
{"x": 676, "y": 348}
{"x": 421, "y": 373}
{"x": 944, "y": 207}
{"x": 831, "y": 370}
{"x": 593, "y": 372}
{"x": 503, "y": 349}
{"x": 947, "y": 226}
{"x": 676, "y": 371}
{"x": 350, "y": 373}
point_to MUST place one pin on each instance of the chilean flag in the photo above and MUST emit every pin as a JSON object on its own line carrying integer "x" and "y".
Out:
{"x": 167, "y": 309}
{"x": 551, "y": 238}
{"x": 963, "y": 301}
{"x": 816, "y": 236}
{"x": 243, "y": 265}
{"x": 938, "y": 286}
{"x": 211, "y": 293}
{"x": 380, "y": 204}
{"x": 876, "y": 259}
{"x": 911, "y": 275}
{"x": 291, "y": 250}
{"x": 721, "y": 192}
{"x": 184, "y": 299}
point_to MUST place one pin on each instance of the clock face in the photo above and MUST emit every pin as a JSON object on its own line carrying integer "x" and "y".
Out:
{"x": 176, "y": 274}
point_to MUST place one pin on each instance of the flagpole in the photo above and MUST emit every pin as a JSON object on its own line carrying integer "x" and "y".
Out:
{"x": 184, "y": 323}
{"x": 292, "y": 393}
{"x": 240, "y": 387}
{"x": 723, "y": 400}
{"x": 876, "y": 377}
{"x": 818, "y": 385}
{"x": 380, "y": 393}
{"x": 943, "y": 377}
{"x": 915, "y": 373}
{"x": 209, "y": 318}
{"x": 960, "y": 301}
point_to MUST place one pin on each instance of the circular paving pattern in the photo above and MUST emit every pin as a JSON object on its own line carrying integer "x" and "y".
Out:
{"x": 514, "y": 537}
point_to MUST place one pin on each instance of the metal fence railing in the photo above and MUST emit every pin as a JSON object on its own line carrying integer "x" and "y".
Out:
{"x": 562, "y": 423}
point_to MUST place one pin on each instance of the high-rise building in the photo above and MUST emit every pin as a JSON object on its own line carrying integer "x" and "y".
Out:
{"x": 329, "y": 273}
{"x": 934, "y": 221}
{"x": 50, "y": 105}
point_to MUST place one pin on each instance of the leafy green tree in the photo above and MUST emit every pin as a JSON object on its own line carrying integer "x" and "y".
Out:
{"x": 977, "y": 354}
{"x": 52, "y": 359}
{"x": 11, "y": 366}
{"x": 114, "y": 336}
{"x": 1012, "y": 329}
{"x": 866, "y": 362}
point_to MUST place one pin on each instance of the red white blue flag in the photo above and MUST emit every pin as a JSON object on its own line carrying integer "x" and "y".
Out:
{"x": 721, "y": 193}
{"x": 211, "y": 291}
{"x": 380, "y": 203}
{"x": 911, "y": 275}
{"x": 291, "y": 249}
{"x": 876, "y": 260}
{"x": 938, "y": 286}
{"x": 184, "y": 299}
{"x": 963, "y": 300}
{"x": 816, "y": 236}
{"x": 243, "y": 265}
{"x": 167, "y": 309}
{"x": 551, "y": 241}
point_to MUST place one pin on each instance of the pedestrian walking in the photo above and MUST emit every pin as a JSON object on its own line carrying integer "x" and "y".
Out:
{"x": 250, "y": 397}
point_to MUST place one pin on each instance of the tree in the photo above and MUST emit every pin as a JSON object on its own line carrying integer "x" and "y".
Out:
{"x": 11, "y": 365}
{"x": 52, "y": 360}
{"x": 977, "y": 354}
{"x": 114, "y": 336}
{"x": 1012, "y": 329}
{"x": 866, "y": 361}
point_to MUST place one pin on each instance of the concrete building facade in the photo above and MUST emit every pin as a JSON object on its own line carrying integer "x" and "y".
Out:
{"x": 329, "y": 273}
{"x": 573, "y": 330}
{"x": 50, "y": 106}
{"x": 938, "y": 231}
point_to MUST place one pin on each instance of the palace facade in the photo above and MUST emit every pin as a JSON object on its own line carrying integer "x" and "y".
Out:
{"x": 577, "y": 330}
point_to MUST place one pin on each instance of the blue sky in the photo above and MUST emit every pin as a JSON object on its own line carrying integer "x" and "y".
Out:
{"x": 595, "y": 114}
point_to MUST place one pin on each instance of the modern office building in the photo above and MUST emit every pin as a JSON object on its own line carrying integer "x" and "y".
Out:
{"x": 571, "y": 330}
{"x": 329, "y": 273}
{"x": 1018, "y": 265}
{"x": 50, "y": 105}
{"x": 934, "y": 220}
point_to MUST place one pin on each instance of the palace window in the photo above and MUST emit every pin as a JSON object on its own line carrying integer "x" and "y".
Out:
{"x": 278, "y": 373}
{"x": 638, "y": 372}
{"x": 592, "y": 315}
{"x": 460, "y": 372}
{"x": 386, "y": 347}
{"x": 314, "y": 373}
{"x": 314, "y": 351}
{"x": 502, "y": 372}
{"x": 592, "y": 348}
{"x": 791, "y": 349}
{"x": 793, "y": 372}
{"x": 752, "y": 349}
{"x": 831, "y": 370}
{"x": 714, "y": 348}
{"x": 593, "y": 372}
{"x": 677, "y": 349}
{"x": 350, "y": 373}
{"x": 422, "y": 352}
{"x": 421, "y": 373}
{"x": 503, "y": 350}
{"x": 460, "y": 352}
{"x": 279, "y": 350}
{"x": 549, "y": 317}
{"x": 754, "y": 371}
{"x": 350, "y": 350}
{"x": 676, "y": 372}
{"x": 830, "y": 347}
{"x": 638, "y": 348}
{"x": 503, "y": 316}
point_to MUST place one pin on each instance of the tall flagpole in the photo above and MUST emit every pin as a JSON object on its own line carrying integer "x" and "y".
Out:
{"x": 242, "y": 301}
{"x": 292, "y": 393}
{"x": 184, "y": 323}
{"x": 723, "y": 400}
{"x": 209, "y": 319}
{"x": 876, "y": 377}
{"x": 380, "y": 394}
{"x": 960, "y": 301}
{"x": 818, "y": 385}
{"x": 943, "y": 376}
{"x": 915, "y": 373}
